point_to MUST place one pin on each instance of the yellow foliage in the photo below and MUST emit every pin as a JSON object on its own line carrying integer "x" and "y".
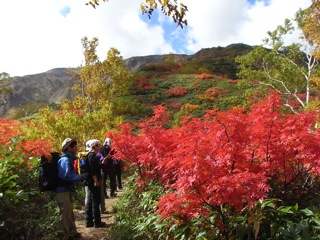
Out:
{"x": 190, "y": 107}
{"x": 311, "y": 26}
{"x": 209, "y": 94}
{"x": 90, "y": 114}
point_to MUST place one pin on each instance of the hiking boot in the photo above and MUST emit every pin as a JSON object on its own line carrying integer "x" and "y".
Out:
{"x": 103, "y": 210}
{"x": 100, "y": 225}
{"x": 89, "y": 225}
{"x": 75, "y": 235}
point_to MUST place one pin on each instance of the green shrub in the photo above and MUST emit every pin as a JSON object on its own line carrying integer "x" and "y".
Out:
{"x": 25, "y": 213}
{"x": 134, "y": 212}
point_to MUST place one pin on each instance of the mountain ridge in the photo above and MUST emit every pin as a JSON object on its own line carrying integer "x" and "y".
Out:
{"x": 55, "y": 85}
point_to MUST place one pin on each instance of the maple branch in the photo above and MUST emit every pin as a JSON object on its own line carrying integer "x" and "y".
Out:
{"x": 199, "y": 193}
{"x": 217, "y": 209}
{"x": 225, "y": 129}
{"x": 268, "y": 158}
{"x": 233, "y": 163}
{"x": 212, "y": 207}
{"x": 224, "y": 221}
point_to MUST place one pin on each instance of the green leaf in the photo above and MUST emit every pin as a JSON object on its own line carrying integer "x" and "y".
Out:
{"x": 307, "y": 212}
{"x": 285, "y": 209}
{"x": 269, "y": 202}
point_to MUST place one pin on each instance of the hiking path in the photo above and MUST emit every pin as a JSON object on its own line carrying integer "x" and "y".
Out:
{"x": 107, "y": 217}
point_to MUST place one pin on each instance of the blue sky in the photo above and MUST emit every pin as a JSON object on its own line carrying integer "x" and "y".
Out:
{"x": 39, "y": 35}
{"x": 173, "y": 34}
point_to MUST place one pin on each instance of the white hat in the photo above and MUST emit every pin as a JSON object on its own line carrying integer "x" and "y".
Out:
{"x": 65, "y": 144}
{"x": 107, "y": 142}
{"x": 90, "y": 143}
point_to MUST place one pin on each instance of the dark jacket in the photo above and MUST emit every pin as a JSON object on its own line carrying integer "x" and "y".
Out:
{"x": 105, "y": 150}
{"x": 93, "y": 167}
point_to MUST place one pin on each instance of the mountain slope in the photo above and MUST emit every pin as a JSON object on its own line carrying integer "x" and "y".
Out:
{"x": 55, "y": 85}
{"x": 43, "y": 88}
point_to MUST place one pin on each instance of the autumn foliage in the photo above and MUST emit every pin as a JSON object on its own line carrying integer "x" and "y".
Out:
{"x": 175, "y": 105}
{"x": 143, "y": 84}
{"x": 232, "y": 158}
{"x": 211, "y": 94}
{"x": 204, "y": 76}
{"x": 176, "y": 92}
{"x": 10, "y": 130}
{"x": 312, "y": 25}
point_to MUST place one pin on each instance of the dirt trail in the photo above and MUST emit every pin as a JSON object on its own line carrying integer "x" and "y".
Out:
{"x": 96, "y": 233}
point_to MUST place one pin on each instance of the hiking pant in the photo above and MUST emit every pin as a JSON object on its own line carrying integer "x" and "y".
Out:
{"x": 103, "y": 204}
{"x": 92, "y": 205}
{"x": 118, "y": 178}
{"x": 66, "y": 222}
{"x": 113, "y": 184}
{"x": 104, "y": 176}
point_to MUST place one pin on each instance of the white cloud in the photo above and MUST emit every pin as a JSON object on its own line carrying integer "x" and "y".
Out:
{"x": 220, "y": 23}
{"x": 39, "y": 35}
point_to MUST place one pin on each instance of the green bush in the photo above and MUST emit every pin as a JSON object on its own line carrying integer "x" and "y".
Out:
{"x": 134, "y": 212}
{"x": 25, "y": 213}
{"x": 267, "y": 220}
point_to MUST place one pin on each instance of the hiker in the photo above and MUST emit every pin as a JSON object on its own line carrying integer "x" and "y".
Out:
{"x": 93, "y": 195}
{"x": 66, "y": 188}
{"x": 109, "y": 167}
{"x": 105, "y": 149}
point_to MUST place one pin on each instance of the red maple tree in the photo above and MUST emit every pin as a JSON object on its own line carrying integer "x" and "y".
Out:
{"x": 10, "y": 130}
{"x": 232, "y": 158}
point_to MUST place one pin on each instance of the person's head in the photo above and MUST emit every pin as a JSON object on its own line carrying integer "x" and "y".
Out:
{"x": 107, "y": 142}
{"x": 93, "y": 145}
{"x": 70, "y": 144}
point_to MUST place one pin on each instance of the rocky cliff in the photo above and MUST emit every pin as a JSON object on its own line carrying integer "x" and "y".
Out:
{"x": 48, "y": 87}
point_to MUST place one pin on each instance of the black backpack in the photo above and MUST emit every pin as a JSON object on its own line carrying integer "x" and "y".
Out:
{"x": 48, "y": 174}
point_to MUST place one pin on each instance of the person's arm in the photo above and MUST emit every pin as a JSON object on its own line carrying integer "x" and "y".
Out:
{"x": 96, "y": 181}
{"x": 65, "y": 172}
{"x": 102, "y": 159}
